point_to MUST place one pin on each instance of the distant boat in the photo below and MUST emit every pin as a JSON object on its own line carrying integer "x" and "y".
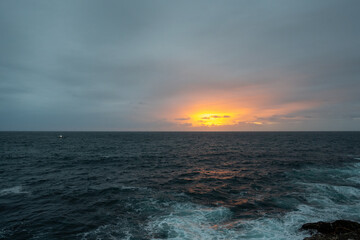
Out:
{"x": 60, "y": 136}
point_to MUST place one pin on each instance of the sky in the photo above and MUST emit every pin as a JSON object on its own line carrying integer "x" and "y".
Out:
{"x": 190, "y": 65}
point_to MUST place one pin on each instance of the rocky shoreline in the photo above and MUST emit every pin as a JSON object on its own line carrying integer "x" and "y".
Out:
{"x": 337, "y": 230}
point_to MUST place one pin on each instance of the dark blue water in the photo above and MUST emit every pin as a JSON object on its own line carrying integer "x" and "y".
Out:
{"x": 175, "y": 185}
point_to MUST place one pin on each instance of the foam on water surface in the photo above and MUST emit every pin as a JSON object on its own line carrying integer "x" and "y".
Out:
{"x": 113, "y": 232}
{"x": 324, "y": 202}
{"x": 176, "y": 185}
{"x": 186, "y": 221}
{"x": 189, "y": 221}
{"x": 199, "y": 222}
{"x": 12, "y": 190}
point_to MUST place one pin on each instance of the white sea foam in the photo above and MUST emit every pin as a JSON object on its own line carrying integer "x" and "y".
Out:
{"x": 13, "y": 190}
{"x": 189, "y": 221}
{"x": 115, "y": 232}
{"x": 325, "y": 202}
{"x": 355, "y": 179}
{"x": 133, "y": 188}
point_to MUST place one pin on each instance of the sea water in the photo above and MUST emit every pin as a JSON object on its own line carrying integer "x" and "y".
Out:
{"x": 191, "y": 185}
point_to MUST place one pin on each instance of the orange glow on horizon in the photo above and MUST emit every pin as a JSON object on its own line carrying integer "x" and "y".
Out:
{"x": 212, "y": 119}
{"x": 220, "y": 116}
{"x": 220, "y": 111}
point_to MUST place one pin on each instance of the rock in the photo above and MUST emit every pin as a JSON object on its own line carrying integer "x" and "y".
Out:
{"x": 338, "y": 230}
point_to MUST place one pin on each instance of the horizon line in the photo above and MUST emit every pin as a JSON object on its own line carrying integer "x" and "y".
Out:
{"x": 170, "y": 131}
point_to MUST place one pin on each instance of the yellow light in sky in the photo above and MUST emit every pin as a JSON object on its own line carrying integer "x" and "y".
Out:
{"x": 225, "y": 111}
{"x": 210, "y": 115}
{"x": 212, "y": 119}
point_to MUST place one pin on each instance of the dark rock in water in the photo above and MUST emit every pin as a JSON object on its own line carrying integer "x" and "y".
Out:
{"x": 338, "y": 230}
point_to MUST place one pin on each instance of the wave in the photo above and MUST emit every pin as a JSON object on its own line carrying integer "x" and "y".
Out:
{"x": 323, "y": 202}
{"x": 13, "y": 190}
{"x": 328, "y": 194}
{"x": 189, "y": 221}
{"x": 116, "y": 231}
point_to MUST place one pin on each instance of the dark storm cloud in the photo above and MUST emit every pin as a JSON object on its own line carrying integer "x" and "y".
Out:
{"x": 110, "y": 65}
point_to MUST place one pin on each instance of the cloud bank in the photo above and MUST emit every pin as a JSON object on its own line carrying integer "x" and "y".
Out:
{"x": 152, "y": 65}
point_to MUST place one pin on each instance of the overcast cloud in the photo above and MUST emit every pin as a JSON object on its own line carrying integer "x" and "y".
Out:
{"x": 128, "y": 65}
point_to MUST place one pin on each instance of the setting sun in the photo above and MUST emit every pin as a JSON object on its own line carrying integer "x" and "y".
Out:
{"x": 228, "y": 112}
{"x": 212, "y": 119}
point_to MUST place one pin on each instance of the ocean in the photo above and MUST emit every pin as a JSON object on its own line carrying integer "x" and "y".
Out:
{"x": 175, "y": 185}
